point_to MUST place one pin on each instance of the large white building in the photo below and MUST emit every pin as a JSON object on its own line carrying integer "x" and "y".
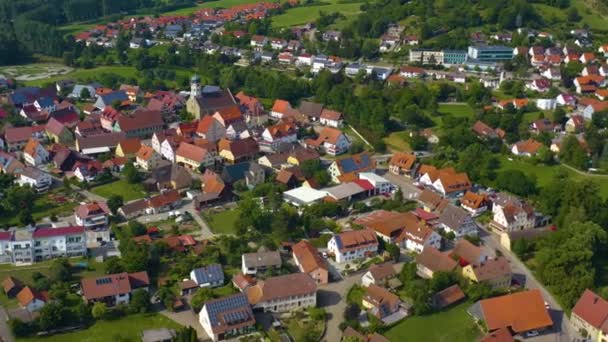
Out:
{"x": 511, "y": 214}
{"x": 40, "y": 181}
{"x": 352, "y": 245}
{"x": 25, "y": 246}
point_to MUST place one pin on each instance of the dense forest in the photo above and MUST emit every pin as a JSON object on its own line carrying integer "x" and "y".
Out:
{"x": 30, "y": 26}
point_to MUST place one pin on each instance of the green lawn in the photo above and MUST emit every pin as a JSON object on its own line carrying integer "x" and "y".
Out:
{"x": 397, "y": 141}
{"x": 128, "y": 328}
{"x": 452, "y": 325}
{"x": 128, "y": 191}
{"x": 457, "y": 110}
{"x": 43, "y": 207}
{"x": 24, "y": 273}
{"x": 544, "y": 174}
{"x": 224, "y": 222}
{"x": 305, "y": 14}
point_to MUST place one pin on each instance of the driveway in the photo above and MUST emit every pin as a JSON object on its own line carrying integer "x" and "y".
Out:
{"x": 563, "y": 329}
{"x": 332, "y": 297}
{"x": 410, "y": 191}
{"x": 187, "y": 318}
{"x": 5, "y": 331}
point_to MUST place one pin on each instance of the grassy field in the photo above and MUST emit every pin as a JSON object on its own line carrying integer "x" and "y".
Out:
{"x": 224, "y": 222}
{"x": 458, "y": 110}
{"x": 544, "y": 174}
{"x": 128, "y": 328}
{"x": 455, "y": 323}
{"x": 306, "y": 14}
{"x": 128, "y": 191}
{"x": 43, "y": 207}
{"x": 24, "y": 273}
{"x": 397, "y": 142}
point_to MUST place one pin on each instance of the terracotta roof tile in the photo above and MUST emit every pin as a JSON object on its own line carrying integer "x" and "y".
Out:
{"x": 520, "y": 311}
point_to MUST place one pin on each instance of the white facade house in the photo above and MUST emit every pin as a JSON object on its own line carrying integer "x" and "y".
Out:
{"x": 167, "y": 150}
{"x": 415, "y": 238}
{"x": 35, "y": 154}
{"x": 59, "y": 242}
{"x": 208, "y": 276}
{"x": 457, "y": 221}
{"x": 546, "y": 104}
{"x": 353, "y": 245}
{"x": 31, "y": 176}
{"x": 511, "y": 214}
{"x": 381, "y": 184}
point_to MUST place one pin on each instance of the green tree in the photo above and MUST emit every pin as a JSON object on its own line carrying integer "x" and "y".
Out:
{"x": 201, "y": 296}
{"x": 99, "y": 310}
{"x": 140, "y": 301}
{"x": 60, "y": 270}
{"x": 517, "y": 182}
{"x": 114, "y": 203}
{"x": 85, "y": 93}
{"x": 393, "y": 250}
{"x": 131, "y": 174}
{"x": 52, "y": 316}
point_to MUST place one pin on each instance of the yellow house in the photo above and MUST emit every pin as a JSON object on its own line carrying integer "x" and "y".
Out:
{"x": 193, "y": 156}
{"x": 495, "y": 272}
{"x": 128, "y": 148}
{"x": 147, "y": 158}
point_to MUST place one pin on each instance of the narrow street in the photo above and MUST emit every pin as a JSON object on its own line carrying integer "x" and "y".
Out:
{"x": 332, "y": 297}
{"x": 5, "y": 331}
{"x": 564, "y": 330}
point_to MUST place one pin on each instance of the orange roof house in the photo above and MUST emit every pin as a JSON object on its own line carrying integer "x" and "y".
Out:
{"x": 520, "y": 312}
{"x": 402, "y": 163}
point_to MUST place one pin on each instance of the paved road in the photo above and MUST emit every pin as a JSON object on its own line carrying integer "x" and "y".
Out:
{"x": 332, "y": 297}
{"x": 407, "y": 187}
{"x": 5, "y": 331}
{"x": 565, "y": 332}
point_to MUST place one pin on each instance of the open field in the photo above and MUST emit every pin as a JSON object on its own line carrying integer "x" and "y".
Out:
{"x": 43, "y": 207}
{"x": 305, "y": 14}
{"x": 128, "y": 328}
{"x": 455, "y": 323}
{"x": 544, "y": 174}
{"x": 224, "y": 222}
{"x": 33, "y": 72}
{"x": 24, "y": 273}
{"x": 457, "y": 110}
{"x": 129, "y": 192}
{"x": 397, "y": 142}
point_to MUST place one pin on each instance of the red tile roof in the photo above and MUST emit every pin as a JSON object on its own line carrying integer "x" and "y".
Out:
{"x": 592, "y": 309}
{"x": 49, "y": 232}
{"x": 520, "y": 311}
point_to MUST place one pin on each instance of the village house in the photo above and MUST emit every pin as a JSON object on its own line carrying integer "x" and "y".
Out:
{"x": 284, "y": 132}
{"x": 141, "y": 124}
{"x": 457, "y": 221}
{"x": 469, "y": 254}
{"x": 227, "y": 317}
{"x": 163, "y": 202}
{"x": 331, "y": 141}
{"x": 446, "y": 181}
{"x": 590, "y": 314}
{"x": 352, "y": 245}
{"x": 475, "y": 204}
{"x": 402, "y": 163}
{"x": 431, "y": 260}
{"x": 494, "y": 272}
{"x": 347, "y": 168}
{"x": 128, "y": 147}
{"x": 193, "y": 157}
{"x": 31, "y": 299}
{"x": 281, "y": 109}
{"x": 575, "y": 124}
{"x": 252, "y": 263}
{"x": 308, "y": 260}
{"x": 12, "y": 286}
{"x": 527, "y": 148}
{"x": 330, "y": 118}
{"x": 92, "y": 215}
{"x": 16, "y": 138}
{"x": 35, "y": 154}
{"x": 380, "y": 302}
{"x": 283, "y": 293}
{"x": 114, "y": 289}
{"x": 234, "y": 151}
{"x": 209, "y": 276}
{"x": 379, "y": 274}
{"x": 39, "y": 180}
{"x": 506, "y": 312}
{"x": 416, "y": 237}
{"x": 510, "y": 213}
{"x": 58, "y": 132}
{"x": 146, "y": 158}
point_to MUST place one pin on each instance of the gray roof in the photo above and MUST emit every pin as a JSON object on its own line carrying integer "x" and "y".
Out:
{"x": 261, "y": 259}
{"x": 344, "y": 190}
{"x": 311, "y": 109}
{"x": 209, "y": 274}
{"x": 229, "y": 311}
{"x": 453, "y": 217}
{"x": 155, "y": 335}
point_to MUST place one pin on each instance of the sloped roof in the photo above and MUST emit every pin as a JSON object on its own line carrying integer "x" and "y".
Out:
{"x": 403, "y": 160}
{"x": 520, "y": 311}
{"x": 308, "y": 257}
{"x": 281, "y": 287}
{"x": 492, "y": 269}
{"x": 435, "y": 261}
{"x": 592, "y": 309}
{"x": 130, "y": 145}
{"x": 191, "y": 152}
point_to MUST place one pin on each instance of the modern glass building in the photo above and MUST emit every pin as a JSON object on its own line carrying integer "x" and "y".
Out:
{"x": 490, "y": 53}
{"x": 453, "y": 57}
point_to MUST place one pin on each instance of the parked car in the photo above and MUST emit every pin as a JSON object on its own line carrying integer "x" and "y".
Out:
{"x": 532, "y": 333}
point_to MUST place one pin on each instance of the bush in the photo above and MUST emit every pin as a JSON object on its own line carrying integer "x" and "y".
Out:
{"x": 99, "y": 310}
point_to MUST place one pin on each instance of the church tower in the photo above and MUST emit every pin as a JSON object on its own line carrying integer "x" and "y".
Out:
{"x": 195, "y": 86}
